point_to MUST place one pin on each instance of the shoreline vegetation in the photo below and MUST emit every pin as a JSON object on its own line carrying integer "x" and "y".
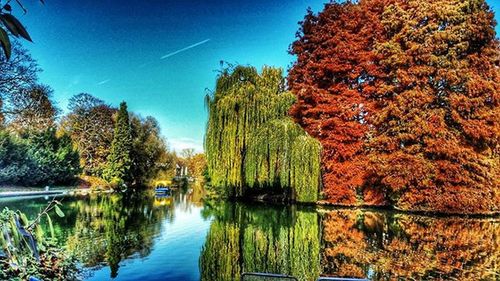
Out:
{"x": 252, "y": 146}
{"x": 327, "y": 205}
{"x": 263, "y": 180}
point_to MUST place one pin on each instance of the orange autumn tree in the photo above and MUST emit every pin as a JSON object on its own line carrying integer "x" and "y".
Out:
{"x": 404, "y": 96}
{"x": 436, "y": 145}
{"x": 334, "y": 77}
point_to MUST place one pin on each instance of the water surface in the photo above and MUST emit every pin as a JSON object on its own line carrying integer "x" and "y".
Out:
{"x": 140, "y": 237}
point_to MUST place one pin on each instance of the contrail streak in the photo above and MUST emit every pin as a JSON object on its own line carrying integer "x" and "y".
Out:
{"x": 104, "y": 82}
{"x": 185, "y": 49}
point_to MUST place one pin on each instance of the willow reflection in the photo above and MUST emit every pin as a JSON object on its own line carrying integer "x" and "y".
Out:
{"x": 246, "y": 238}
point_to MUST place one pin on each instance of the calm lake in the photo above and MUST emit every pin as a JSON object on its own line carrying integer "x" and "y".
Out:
{"x": 141, "y": 237}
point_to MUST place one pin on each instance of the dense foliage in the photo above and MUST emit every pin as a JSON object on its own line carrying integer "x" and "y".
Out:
{"x": 37, "y": 158}
{"x": 280, "y": 153}
{"x": 149, "y": 152}
{"x": 251, "y": 144}
{"x": 119, "y": 161}
{"x": 404, "y": 97}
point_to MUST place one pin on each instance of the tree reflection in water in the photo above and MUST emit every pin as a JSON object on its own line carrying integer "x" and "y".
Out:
{"x": 387, "y": 246}
{"x": 246, "y": 238}
{"x": 304, "y": 242}
{"x": 111, "y": 228}
{"x": 349, "y": 243}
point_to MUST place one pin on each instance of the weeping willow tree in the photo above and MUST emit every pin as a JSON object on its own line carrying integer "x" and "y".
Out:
{"x": 250, "y": 142}
{"x": 281, "y": 154}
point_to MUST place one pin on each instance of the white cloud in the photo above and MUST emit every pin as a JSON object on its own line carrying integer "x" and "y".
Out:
{"x": 178, "y": 144}
{"x": 75, "y": 80}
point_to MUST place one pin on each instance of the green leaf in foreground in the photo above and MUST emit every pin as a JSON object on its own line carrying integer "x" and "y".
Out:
{"x": 51, "y": 226}
{"x": 58, "y": 211}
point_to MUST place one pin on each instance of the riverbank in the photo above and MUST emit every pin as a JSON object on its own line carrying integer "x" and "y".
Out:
{"x": 273, "y": 198}
{"x": 83, "y": 185}
{"x": 32, "y": 193}
{"x": 428, "y": 212}
{"x": 19, "y": 191}
{"x": 11, "y": 191}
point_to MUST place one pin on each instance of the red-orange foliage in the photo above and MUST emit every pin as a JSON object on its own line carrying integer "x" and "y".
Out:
{"x": 333, "y": 78}
{"x": 405, "y": 247}
{"x": 405, "y": 97}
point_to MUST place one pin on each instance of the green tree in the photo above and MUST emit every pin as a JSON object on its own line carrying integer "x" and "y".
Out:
{"x": 148, "y": 149}
{"x": 15, "y": 164}
{"x": 57, "y": 162}
{"x": 119, "y": 161}
{"x": 251, "y": 144}
{"x": 37, "y": 159}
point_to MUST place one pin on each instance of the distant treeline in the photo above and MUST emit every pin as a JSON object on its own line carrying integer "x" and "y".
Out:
{"x": 39, "y": 146}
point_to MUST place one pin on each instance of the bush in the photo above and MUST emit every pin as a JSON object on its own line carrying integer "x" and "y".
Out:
{"x": 37, "y": 159}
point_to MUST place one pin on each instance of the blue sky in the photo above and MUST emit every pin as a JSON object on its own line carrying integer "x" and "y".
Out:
{"x": 159, "y": 56}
